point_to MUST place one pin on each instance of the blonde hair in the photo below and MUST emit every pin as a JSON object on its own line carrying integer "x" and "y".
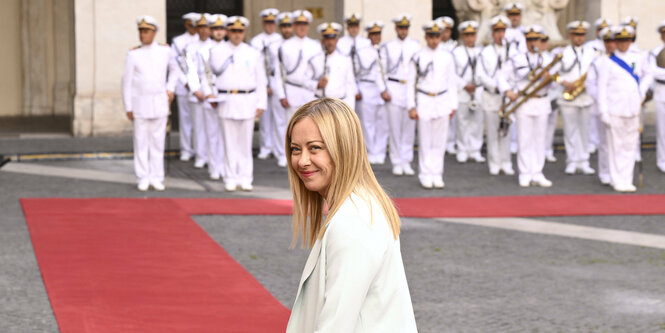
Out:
{"x": 342, "y": 135}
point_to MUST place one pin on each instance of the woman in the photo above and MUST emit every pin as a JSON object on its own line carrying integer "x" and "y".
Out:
{"x": 354, "y": 278}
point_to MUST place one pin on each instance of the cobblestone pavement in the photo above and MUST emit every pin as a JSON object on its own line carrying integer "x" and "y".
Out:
{"x": 462, "y": 277}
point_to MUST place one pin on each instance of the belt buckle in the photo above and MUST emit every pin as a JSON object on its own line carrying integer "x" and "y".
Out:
{"x": 234, "y": 91}
{"x": 431, "y": 94}
{"x": 402, "y": 81}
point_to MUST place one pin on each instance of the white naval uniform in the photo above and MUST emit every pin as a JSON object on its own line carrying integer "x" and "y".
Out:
{"x": 619, "y": 101}
{"x": 295, "y": 55}
{"x": 263, "y": 42}
{"x": 238, "y": 68}
{"x": 659, "y": 99}
{"x": 598, "y": 47}
{"x": 553, "y": 94}
{"x": 642, "y": 57}
{"x": 339, "y": 71}
{"x": 178, "y": 45}
{"x": 468, "y": 123}
{"x": 432, "y": 90}
{"x": 279, "y": 115}
{"x": 492, "y": 59}
{"x": 591, "y": 84}
{"x": 374, "y": 120}
{"x": 449, "y": 46}
{"x": 144, "y": 86}
{"x": 531, "y": 117}
{"x": 396, "y": 55}
{"x": 197, "y": 112}
{"x": 516, "y": 39}
{"x": 205, "y": 82}
{"x": 350, "y": 46}
{"x": 576, "y": 113}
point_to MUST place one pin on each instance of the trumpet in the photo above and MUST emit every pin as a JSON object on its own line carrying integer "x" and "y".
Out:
{"x": 570, "y": 95}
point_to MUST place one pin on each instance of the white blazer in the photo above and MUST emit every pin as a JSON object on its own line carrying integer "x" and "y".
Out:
{"x": 354, "y": 278}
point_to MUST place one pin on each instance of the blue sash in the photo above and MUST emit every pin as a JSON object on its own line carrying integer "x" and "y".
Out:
{"x": 626, "y": 67}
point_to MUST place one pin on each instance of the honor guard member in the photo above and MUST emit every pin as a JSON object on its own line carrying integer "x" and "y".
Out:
{"x": 201, "y": 149}
{"x": 294, "y": 56}
{"x": 448, "y": 44}
{"x": 263, "y": 42}
{"x": 469, "y": 117}
{"x": 396, "y": 55}
{"x": 279, "y": 116}
{"x": 632, "y": 22}
{"x": 574, "y": 102}
{"x": 146, "y": 95}
{"x": 372, "y": 85}
{"x": 531, "y": 117}
{"x": 493, "y": 58}
{"x": 178, "y": 45}
{"x": 622, "y": 87}
{"x": 514, "y": 33}
{"x": 552, "y": 94}
{"x": 447, "y": 41}
{"x": 332, "y": 72}
{"x": 597, "y": 44}
{"x": 203, "y": 87}
{"x": 432, "y": 101}
{"x": 241, "y": 81}
{"x": 591, "y": 83}
{"x": 657, "y": 66}
{"x": 352, "y": 41}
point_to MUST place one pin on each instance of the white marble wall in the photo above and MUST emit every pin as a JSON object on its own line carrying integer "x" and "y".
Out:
{"x": 104, "y": 31}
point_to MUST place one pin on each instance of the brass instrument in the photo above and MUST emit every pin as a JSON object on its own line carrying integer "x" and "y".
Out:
{"x": 570, "y": 95}
{"x": 526, "y": 93}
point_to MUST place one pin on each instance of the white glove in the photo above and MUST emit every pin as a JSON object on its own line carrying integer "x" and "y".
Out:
{"x": 606, "y": 119}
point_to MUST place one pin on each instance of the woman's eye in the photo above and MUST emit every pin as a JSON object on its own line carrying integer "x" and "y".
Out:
{"x": 315, "y": 147}
{"x": 295, "y": 149}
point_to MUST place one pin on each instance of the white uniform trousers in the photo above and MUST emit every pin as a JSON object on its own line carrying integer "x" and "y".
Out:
{"x": 278, "y": 131}
{"x": 375, "y": 128}
{"x": 622, "y": 136}
{"x": 432, "y": 134}
{"x": 552, "y": 119}
{"x": 265, "y": 129}
{"x": 498, "y": 146}
{"x": 531, "y": 139}
{"x": 660, "y": 135}
{"x": 149, "y": 140}
{"x": 214, "y": 141}
{"x": 402, "y": 134}
{"x": 238, "y": 163}
{"x": 199, "y": 131}
{"x": 513, "y": 137}
{"x": 469, "y": 129}
{"x": 185, "y": 126}
{"x": 603, "y": 157}
{"x": 452, "y": 136}
{"x": 594, "y": 132}
{"x": 576, "y": 134}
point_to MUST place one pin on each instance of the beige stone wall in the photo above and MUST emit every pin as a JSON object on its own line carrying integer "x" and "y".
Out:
{"x": 105, "y": 30}
{"x": 648, "y": 12}
{"x": 370, "y": 10}
{"x": 11, "y": 85}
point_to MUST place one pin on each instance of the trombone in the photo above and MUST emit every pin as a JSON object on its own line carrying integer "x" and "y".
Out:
{"x": 527, "y": 93}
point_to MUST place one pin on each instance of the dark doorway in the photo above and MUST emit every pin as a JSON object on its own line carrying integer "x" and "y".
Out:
{"x": 176, "y": 8}
{"x": 445, "y": 8}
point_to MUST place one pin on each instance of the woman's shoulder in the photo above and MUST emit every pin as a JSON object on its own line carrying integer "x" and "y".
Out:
{"x": 359, "y": 217}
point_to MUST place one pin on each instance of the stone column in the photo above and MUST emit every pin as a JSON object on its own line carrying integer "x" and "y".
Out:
{"x": 37, "y": 51}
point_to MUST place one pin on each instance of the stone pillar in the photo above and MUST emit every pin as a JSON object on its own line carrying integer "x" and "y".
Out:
{"x": 37, "y": 51}
{"x": 104, "y": 31}
{"x": 11, "y": 85}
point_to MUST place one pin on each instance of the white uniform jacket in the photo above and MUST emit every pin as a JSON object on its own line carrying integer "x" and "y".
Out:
{"x": 178, "y": 46}
{"x": 466, "y": 66}
{"x": 514, "y": 75}
{"x": 597, "y": 46}
{"x": 492, "y": 59}
{"x": 658, "y": 75}
{"x": 205, "y": 78}
{"x": 371, "y": 80}
{"x": 396, "y": 55}
{"x": 347, "y": 44}
{"x": 574, "y": 63}
{"x": 144, "y": 80}
{"x": 268, "y": 46}
{"x": 354, "y": 279}
{"x": 192, "y": 59}
{"x": 295, "y": 55}
{"x": 432, "y": 76}
{"x": 448, "y": 45}
{"x": 516, "y": 39}
{"x": 339, "y": 71}
{"x": 591, "y": 82}
{"x": 239, "y": 68}
{"x": 619, "y": 94}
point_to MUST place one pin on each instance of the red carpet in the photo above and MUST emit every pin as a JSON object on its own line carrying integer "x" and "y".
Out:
{"x": 142, "y": 265}
{"x": 508, "y": 206}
